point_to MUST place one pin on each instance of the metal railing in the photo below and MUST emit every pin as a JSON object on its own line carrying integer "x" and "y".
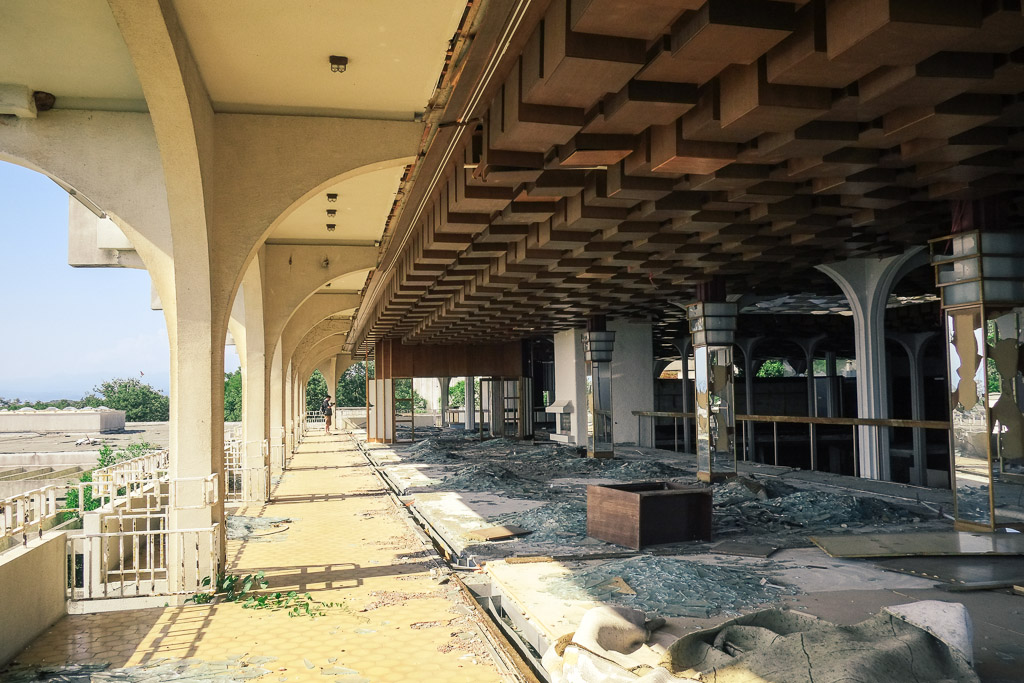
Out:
{"x": 314, "y": 420}
{"x": 814, "y": 426}
{"x": 126, "y": 479}
{"x": 27, "y": 512}
{"x": 132, "y": 560}
{"x": 242, "y": 481}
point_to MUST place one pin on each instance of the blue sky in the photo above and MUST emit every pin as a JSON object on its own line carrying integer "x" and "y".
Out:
{"x": 63, "y": 330}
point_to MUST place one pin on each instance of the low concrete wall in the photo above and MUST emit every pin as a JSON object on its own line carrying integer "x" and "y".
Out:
{"x": 32, "y": 592}
{"x": 86, "y": 420}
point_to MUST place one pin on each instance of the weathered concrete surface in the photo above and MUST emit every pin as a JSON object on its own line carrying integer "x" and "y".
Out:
{"x": 86, "y": 420}
{"x": 31, "y": 592}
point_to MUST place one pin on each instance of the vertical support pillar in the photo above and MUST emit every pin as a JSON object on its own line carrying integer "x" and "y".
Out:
{"x": 633, "y": 377}
{"x": 597, "y": 349}
{"x": 445, "y": 383}
{"x": 713, "y": 329}
{"x": 867, "y": 282}
{"x": 469, "y": 420}
{"x": 570, "y": 387}
{"x": 747, "y": 346}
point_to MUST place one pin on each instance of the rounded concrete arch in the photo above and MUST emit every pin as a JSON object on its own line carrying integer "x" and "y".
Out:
{"x": 295, "y": 188}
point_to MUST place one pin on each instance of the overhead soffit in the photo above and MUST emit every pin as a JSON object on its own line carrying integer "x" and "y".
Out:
{"x": 73, "y": 50}
{"x": 351, "y": 282}
{"x": 261, "y": 57}
{"x": 362, "y": 206}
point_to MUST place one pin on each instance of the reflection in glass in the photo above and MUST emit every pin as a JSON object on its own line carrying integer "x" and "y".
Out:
{"x": 716, "y": 445}
{"x": 599, "y": 410}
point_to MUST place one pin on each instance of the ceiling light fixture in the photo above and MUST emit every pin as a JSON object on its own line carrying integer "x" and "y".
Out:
{"x": 331, "y": 213}
{"x": 332, "y": 196}
{"x": 326, "y": 263}
{"x": 331, "y": 227}
{"x": 338, "y": 64}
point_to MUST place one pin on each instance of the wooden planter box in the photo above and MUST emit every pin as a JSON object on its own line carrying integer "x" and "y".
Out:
{"x": 648, "y": 513}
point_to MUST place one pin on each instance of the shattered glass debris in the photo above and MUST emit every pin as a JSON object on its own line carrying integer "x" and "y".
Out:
{"x": 766, "y": 507}
{"x": 672, "y": 587}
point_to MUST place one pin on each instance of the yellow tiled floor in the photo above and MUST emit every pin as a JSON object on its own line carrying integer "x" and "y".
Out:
{"x": 348, "y": 544}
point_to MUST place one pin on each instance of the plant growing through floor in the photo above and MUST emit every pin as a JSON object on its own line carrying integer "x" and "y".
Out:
{"x": 241, "y": 589}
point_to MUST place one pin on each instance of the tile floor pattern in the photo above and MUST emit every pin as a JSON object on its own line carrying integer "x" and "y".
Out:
{"x": 348, "y": 544}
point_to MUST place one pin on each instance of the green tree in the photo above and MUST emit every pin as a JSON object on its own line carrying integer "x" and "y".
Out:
{"x": 772, "y": 368}
{"x": 233, "y": 396}
{"x": 351, "y": 389}
{"x": 404, "y": 389}
{"x": 316, "y": 390}
{"x": 139, "y": 401}
{"x": 457, "y": 394}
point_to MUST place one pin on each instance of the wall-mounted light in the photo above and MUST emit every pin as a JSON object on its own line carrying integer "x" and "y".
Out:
{"x": 338, "y": 64}
{"x": 326, "y": 263}
{"x": 331, "y": 227}
{"x": 332, "y": 197}
{"x": 331, "y": 213}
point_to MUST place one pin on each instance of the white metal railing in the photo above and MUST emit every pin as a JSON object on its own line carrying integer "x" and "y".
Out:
{"x": 314, "y": 420}
{"x": 28, "y": 512}
{"x": 125, "y": 545}
{"x": 242, "y": 481}
{"x": 133, "y": 559}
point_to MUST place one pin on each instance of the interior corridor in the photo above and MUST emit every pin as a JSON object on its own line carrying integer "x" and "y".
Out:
{"x": 347, "y": 544}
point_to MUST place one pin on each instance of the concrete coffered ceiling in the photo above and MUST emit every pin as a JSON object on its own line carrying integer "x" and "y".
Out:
{"x": 266, "y": 57}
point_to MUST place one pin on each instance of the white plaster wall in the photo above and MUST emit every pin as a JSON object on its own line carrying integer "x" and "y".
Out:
{"x": 571, "y": 381}
{"x": 632, "y": 377}
{"x": 31, "y": 591}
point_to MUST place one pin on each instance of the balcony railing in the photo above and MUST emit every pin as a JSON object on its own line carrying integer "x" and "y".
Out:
{"x": 242, "y": 482}
{"x": 132, "y": 559}
{"x": 32, "y": 511}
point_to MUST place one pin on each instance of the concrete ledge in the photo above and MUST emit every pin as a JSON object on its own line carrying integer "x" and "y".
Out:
{"x": 32, "y": 591}
{"x": 87, "y": 420}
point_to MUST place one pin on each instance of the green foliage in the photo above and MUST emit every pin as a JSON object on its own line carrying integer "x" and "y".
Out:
{"x": 351, "y": 389}
{"x": 107, "y": 457}
{"x": 772, "y": 368}
{"x": 457, "y": 394}
{"x": 403, "y": 389}
{"x": 233, "y": 396}
{"x": 87, "y": 401}
{"x": 234, "y": 588}
{"x": 139, "y": 401}
{"x": 316, "y": 390}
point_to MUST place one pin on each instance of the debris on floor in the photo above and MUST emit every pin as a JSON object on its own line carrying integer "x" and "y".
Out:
{"x": 923, "y": 641}
{"x": 242, "y": 528}
{"x": 672, "y": 587}
{"x": 231, "y": 670}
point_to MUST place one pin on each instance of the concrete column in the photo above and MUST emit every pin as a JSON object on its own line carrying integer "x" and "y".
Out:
{"x": 445, "y": 383}
{"x": 470, "y": 417}
{"x": 633, "y": 379}
{"x": 571, "y": 381}
{"x": 747, "y": 345}
{"x": 866, "y": 283}
{"x": 914, "y": 345}
{"x": 276, "y": 394}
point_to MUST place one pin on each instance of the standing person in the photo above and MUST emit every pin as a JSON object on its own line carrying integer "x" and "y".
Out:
{"x": 325, "y": 408}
